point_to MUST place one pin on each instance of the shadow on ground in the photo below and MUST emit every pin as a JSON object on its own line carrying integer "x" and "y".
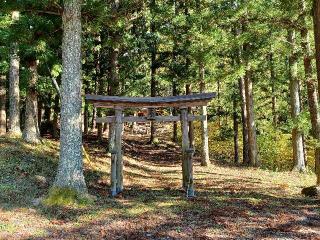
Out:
{"x": 229, "y": 204}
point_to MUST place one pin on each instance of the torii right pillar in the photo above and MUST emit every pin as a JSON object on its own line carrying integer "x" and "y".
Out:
{"x": 187, "y": 155}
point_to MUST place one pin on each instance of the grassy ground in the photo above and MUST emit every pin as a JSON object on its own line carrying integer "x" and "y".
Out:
{"x": 231, "y": 203}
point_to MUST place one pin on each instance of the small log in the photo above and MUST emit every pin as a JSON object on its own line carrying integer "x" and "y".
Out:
{"x": 313, "y": 191}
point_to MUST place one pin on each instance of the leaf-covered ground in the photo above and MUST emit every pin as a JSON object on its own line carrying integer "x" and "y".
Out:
{"x": 231, "y": 203}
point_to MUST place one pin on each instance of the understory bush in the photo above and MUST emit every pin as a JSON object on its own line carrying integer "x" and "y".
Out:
{"x": 275, "y": 147}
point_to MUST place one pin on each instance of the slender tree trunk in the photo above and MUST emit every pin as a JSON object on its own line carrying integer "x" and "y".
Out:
{"x": 205, "y": 159}
{"x": 191, "y": 126}
{"x": 219, "y": 110}
{"x": 175, "y": 112}
{"x": 40, "y": 107}
{"x": 31, "y": 132}
{"x": 114, "y": 77}
{"x": 70, "y": 170}
{"x": 86, "y": 119}
{"x": 14, "y": 90}
{"x": 235, "y": 131}
{"x": 153, "y": 82}
{"x": 3, "y": 98}
{"x": 175, "y": 80}
{"x": 94, "y": 110}
{"x": 252, "y": 137}
{"x": 101, "y": 88}
{"x": 273, "y": 91}
{"x": 56, "y": 112}
{"x": 297, "y": 138}
{"x": 47, "y": 110}
{"x": 244, "y": 118}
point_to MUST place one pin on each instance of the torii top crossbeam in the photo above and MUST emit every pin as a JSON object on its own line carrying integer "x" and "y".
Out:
{"x": 150, "y": 102}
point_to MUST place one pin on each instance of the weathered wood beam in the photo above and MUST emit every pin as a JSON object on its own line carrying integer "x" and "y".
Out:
{"x": 151, "y": 100}
{"x": 131, "y": 119}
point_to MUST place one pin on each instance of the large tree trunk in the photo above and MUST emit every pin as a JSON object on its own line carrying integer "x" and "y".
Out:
{"x": 205, "y": 159}
{"x": 314, "y": 97}
{"x": 3, "y": 98}
{"x": 297, "y": 135}
{"x": 252, "y": 137}
{"x": 31, "y": 132}
{"x": 316, "y": 24}
{"x": 14, "y": 90}
{"x": 70, "y": 170}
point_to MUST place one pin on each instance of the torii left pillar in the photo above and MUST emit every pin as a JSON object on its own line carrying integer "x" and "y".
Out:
{"x": 116, "y": 155}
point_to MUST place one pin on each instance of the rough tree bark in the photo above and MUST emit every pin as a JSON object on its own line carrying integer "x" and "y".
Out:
{"x": 31, "y": 132}
{"x": 297, "y": 138}
{"x": 70, "y": 170}
{"x": 14, "y": 90}
{"x": 3, "y": 98}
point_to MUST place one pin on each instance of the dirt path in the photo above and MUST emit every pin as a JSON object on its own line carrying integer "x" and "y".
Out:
{"x": 231, "y": 202}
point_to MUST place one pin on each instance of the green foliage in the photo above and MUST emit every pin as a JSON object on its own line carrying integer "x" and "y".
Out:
{"x": 275, "y": 149}
{"x": 225, "y": 132}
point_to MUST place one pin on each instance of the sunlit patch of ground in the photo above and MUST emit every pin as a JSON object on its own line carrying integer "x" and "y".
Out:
{"x": 231, "y": 202}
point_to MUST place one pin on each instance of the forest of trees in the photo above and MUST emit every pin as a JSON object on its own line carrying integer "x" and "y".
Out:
{"x": 261, "y": 57}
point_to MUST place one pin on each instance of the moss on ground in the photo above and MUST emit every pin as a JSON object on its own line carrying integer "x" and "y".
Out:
{"x": 63, "y": 196}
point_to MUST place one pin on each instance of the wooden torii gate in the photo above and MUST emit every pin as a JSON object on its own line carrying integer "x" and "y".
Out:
{"x": 120, "y": 103}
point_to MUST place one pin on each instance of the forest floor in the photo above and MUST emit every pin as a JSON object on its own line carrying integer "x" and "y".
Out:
{"x": 232, "y": 202}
